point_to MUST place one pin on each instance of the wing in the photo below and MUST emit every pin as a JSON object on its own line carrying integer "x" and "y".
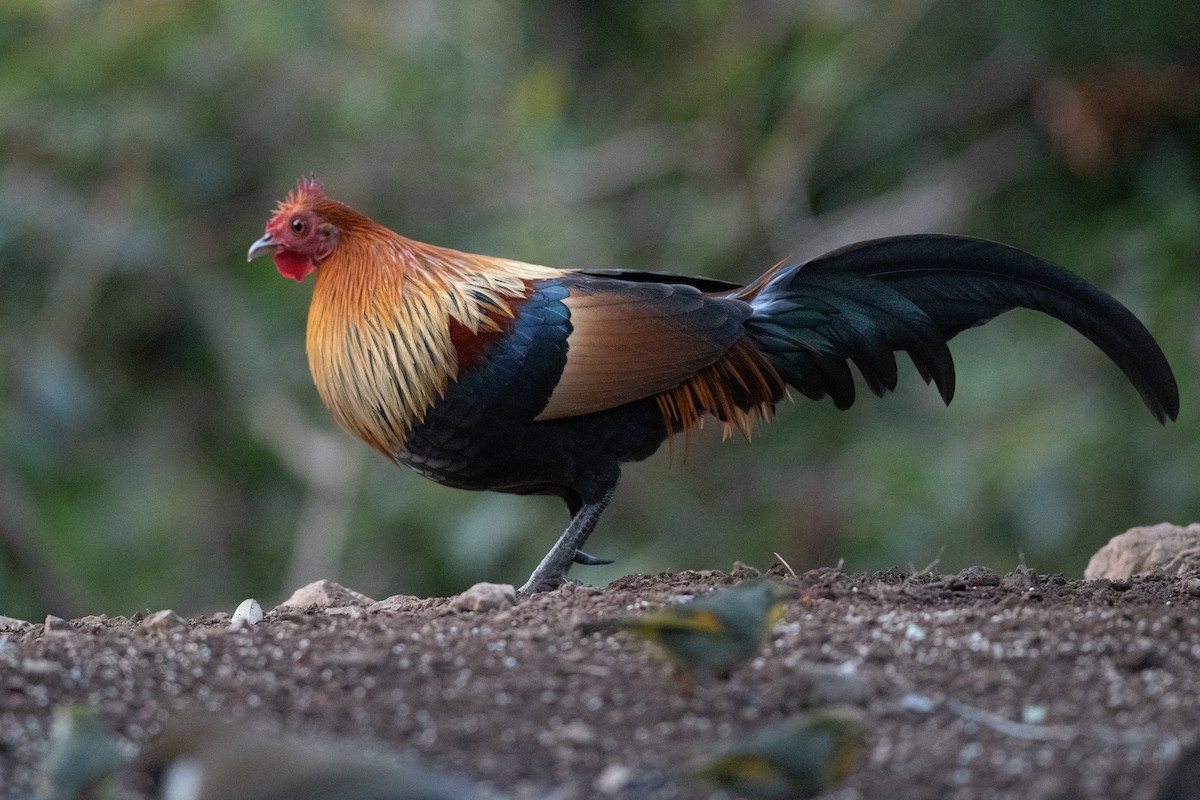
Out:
{"x": 680, "y": 620}
{"x": 635, "y": 339}
{"x": 701, "y": 283}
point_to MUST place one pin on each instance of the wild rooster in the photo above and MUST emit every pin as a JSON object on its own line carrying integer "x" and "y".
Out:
{"x": 487, "y": 373}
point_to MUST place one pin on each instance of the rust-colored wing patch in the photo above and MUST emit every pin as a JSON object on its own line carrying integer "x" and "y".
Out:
{"x": 635, "y": 340}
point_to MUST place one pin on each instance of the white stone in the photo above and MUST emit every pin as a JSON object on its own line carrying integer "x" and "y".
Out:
{"x": 248, "y": 613}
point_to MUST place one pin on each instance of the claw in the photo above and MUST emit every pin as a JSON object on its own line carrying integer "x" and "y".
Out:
{"x": 590, "y": 560}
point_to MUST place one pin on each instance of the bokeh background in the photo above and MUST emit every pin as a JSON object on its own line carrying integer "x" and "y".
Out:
{"x": 161, "y": 444}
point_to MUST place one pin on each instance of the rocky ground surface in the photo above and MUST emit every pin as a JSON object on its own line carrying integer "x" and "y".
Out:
{"x": 973, "y": 686}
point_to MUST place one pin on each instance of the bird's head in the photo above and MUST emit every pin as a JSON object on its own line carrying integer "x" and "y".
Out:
{"x": 299, "y": 234}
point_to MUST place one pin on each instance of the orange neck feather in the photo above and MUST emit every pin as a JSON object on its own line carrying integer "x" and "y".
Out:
{"x": 379, "y": 327}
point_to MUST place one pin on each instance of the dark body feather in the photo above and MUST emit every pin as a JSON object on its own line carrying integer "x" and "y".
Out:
{"x": 490, "y": 374}
{"x": 484, "y": 433}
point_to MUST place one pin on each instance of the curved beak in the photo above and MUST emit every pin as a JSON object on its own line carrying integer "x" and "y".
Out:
{"x": 264, "y": 245}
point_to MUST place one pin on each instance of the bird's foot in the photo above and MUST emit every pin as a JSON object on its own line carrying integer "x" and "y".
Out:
{"x": 541, "y": 583}
{"x": 547, "y": 579}
{"x": 552, "y": 571}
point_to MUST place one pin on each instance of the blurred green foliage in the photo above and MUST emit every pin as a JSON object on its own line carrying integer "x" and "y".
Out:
{"x": 160, "y": 441}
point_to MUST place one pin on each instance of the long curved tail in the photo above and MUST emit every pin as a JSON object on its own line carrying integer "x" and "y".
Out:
{"x": 914, "y": 293}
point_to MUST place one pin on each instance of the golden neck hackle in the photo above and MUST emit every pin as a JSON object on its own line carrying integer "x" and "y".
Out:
{"x": 379, "y": 344}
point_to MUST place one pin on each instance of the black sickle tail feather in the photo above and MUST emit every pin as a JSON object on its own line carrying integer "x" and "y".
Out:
{"x": 914, "y": 293}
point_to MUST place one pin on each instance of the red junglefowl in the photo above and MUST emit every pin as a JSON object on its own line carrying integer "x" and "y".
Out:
{"x": 487, "y": 373}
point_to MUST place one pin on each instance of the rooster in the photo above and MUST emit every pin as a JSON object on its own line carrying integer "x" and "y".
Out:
{"x": 492, "y": 374}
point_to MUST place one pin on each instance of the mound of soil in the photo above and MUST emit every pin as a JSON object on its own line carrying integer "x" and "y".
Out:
{"x": 973, "y": 685}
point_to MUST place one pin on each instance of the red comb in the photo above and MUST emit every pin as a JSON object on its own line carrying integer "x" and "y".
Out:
{"x": 308, "y": 190}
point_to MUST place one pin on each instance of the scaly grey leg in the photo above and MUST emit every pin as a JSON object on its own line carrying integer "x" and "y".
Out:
{"x": 552, "y": 572}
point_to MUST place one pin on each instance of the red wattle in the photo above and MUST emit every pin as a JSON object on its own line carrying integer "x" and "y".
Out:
{"x": 293, "y": 265}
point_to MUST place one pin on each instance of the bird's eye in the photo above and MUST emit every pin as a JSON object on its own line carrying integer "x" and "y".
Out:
{"x": 298, "y": 224}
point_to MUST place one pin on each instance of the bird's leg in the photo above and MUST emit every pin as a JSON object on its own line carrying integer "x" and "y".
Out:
{"x": 552, "y": 572}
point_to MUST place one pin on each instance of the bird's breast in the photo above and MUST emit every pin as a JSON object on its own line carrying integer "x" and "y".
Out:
{"x": 379, "y": 365}
{"x": 385, "y": 360}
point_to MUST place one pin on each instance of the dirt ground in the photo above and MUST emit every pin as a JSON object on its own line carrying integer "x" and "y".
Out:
{"x": 974, "y": 685}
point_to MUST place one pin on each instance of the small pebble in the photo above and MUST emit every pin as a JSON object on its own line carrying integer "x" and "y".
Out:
{"x": 165, "y": 620}
{"x": 1033, "y": 715}
{"x": 324, "y": 594}
{"x": 486, "y": 597}
{"x": 397, "y": 602}
{"x": 917, "y": 702}
{"x": 613, "y": 779}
